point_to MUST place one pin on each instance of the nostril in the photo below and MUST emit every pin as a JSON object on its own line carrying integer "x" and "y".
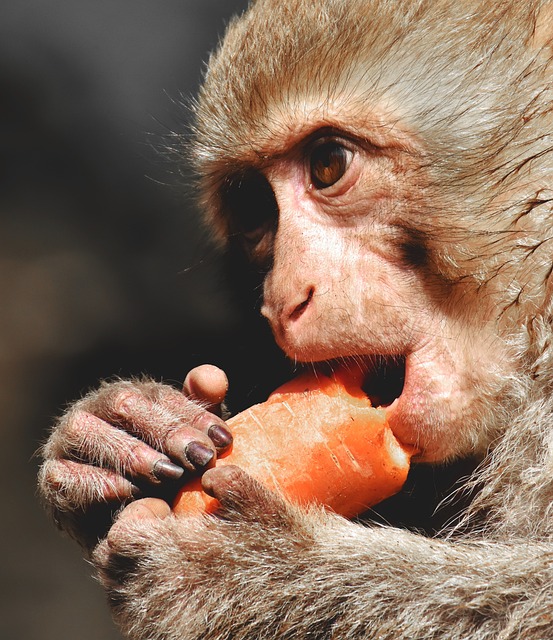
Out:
{"x": 302, "y": 306}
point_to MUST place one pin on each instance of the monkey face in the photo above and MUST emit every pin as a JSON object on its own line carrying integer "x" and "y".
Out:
{"x": 339, "y": 223}
{"x": 394, "y": 220}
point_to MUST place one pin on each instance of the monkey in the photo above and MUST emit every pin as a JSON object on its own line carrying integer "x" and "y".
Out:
{"x": 387, "y": 167}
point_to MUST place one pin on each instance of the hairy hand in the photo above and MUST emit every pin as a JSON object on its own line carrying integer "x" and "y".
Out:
{"x": 130, "y": 439}
{"x": 204, "y": 565}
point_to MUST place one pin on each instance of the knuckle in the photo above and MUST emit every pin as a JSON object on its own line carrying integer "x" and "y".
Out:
{"x": 201, "y": 419}
{"x": 70, "y": 435}
{"x": 123, "y": 401}
{"x": 55, "y": 446}
{"x": 57, "y": 486}
{"x": 198, "y": 418}
{"x": 133, "y": 456}
{"x": 172, "y": 412}
{"x": 110, "y": 398}
{"x": 49, "y": 478}
{"x": 138, "y": 402}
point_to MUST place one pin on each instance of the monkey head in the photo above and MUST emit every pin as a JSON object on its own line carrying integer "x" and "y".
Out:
{"x": 397, "y": 207}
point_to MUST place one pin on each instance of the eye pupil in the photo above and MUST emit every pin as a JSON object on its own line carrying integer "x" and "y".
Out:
{"x": 328, "y": 163}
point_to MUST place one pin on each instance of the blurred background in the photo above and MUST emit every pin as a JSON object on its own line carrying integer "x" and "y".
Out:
{"x": 104, "y": 268}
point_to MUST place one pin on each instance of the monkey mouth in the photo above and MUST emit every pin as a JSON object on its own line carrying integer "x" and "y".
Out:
{"x": 383, "y": 377}
{"x": 388, "y": 383}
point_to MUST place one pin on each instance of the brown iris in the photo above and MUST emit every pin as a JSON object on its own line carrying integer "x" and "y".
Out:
{"x": 328, "y": 162}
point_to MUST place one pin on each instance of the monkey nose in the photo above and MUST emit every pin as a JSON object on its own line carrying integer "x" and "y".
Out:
{"x": 299, "y": 309}
{"x": 282, "y": 315}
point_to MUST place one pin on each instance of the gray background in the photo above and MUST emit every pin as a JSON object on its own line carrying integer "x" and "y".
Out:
{"x": 102, "y": 267}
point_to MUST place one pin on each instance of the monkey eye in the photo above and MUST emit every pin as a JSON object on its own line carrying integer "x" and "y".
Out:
{"x": 328, "y": 162}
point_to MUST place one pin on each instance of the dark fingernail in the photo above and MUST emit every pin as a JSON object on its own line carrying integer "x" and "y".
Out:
{"x": 220, "y": 436}
{"x": 198, "y": 454}
{"x": 165, "y": 470}
{"x": 136, "y": 492}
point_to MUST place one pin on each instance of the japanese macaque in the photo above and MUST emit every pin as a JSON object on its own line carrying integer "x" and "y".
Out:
{"x": 388, "y": 164}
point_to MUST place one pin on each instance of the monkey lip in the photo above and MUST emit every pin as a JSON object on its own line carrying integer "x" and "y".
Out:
{"x": 383, "y": 377}
{"x": 384, "y": 382}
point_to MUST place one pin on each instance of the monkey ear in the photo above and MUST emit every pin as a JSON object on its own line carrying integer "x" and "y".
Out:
{"x": 543, "y": 30}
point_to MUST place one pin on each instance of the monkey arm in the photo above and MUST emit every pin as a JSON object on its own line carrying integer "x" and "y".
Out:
{"x": 265, "y": 569}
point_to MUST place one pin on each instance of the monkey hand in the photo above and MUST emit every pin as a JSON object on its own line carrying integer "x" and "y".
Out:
{"x": 208, "y": 567}
{"x": 264, "y": 568}
{"x": 130, "y": 439}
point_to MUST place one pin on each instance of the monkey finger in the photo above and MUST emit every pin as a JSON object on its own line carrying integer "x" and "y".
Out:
{"x": 119, "y": 555}
{"x": 145, "y": 508}
{"x": 166, "y": 419}
{"x": 83, "y": 437}
{"x": 68, "y": 485}
{"x": 191, "y": 448}
{"x": 242, "y": 497}
{"x": 183, "y": 429}
{"x": 208, "y": 384}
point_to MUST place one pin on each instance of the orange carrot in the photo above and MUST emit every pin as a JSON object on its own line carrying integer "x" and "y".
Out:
{"x": 318, "y": 440}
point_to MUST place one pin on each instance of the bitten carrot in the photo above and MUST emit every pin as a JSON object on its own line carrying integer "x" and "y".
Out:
{"x": 318, "y": 440}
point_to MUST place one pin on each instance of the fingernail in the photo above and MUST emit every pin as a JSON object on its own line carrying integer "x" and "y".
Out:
{"x": 165, "y": 470}
{"x": 198, "y": 454}
{"x": 220, "y": 436}
{"x": 136, "y": 492}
